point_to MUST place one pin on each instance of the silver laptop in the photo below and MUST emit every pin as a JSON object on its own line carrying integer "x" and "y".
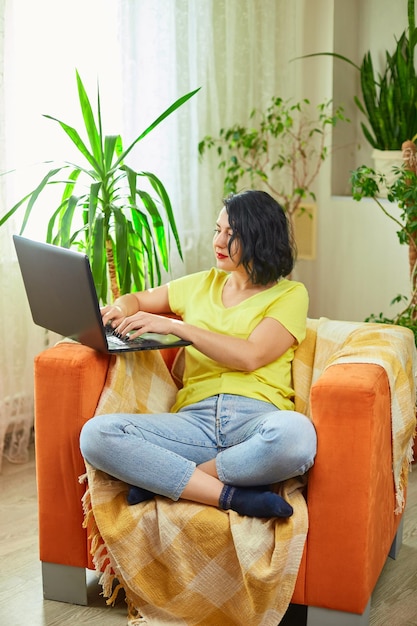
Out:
{"x": 62, "y": 298}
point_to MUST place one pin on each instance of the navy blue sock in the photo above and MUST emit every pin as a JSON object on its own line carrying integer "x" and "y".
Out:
{"x": 135, "y": 495}
{"x": 254, "y": 502}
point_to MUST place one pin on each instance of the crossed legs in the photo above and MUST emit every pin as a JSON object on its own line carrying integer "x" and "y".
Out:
{"x": 225, "y": 451}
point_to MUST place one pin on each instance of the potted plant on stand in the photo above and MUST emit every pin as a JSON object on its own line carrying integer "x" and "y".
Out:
{"x": 281, "y": 150}
{"x": 401, "y": 191}
{"x": 107, "y": 209}
{"x": 389, "y": 97}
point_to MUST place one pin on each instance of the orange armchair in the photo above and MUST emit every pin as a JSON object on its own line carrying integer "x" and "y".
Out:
{"x": 351, "y": 495}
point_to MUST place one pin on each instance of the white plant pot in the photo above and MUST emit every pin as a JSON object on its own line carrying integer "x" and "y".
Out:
{"x": 384, "y": 160}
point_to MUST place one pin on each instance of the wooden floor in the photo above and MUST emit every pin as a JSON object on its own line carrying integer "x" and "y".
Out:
{"x": 394, "y": 602}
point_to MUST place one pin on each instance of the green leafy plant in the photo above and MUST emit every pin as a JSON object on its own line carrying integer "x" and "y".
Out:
{"x": 108, "y": 209}
{"x": 389, "y": 98}
{"x": 367, "y": 183}
{"x": 282, "y": 148}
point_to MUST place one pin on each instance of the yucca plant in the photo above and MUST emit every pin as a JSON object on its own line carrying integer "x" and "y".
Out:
{"x": 389, "y": 98}
{"x": 124, "y": 227}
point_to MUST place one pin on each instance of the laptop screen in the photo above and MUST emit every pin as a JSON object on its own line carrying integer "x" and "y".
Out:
{"x": 60, "y": 291}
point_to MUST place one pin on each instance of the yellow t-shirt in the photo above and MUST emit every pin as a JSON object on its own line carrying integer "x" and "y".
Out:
{"x": 197, "y": 298}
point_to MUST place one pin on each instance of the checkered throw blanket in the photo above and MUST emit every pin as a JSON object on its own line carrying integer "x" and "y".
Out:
{"x": 187, "y": 564}
{"x": 183, "y": 563}
{"x": 392, "y": 347}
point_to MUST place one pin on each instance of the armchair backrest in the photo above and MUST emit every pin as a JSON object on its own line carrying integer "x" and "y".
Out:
{"x": 303, "y": 367}
{"x": 328, "y": 342}
{"x": 324, "y": 338}
{"x": 389, "y": 346}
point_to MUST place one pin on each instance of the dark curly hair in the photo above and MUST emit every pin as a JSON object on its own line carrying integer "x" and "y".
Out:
{"x": 261, "y": 228}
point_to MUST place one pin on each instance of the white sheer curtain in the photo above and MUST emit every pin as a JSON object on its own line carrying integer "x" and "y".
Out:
{"x": 238, "y": 52}
{"x": 41, "y": 45}
{"x": 145, "y": 54}
{"x": 18, "y": 340}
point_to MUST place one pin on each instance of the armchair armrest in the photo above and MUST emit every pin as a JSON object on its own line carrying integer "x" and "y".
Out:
{"x": 69, "y": 379}
{"x": 351, "y": 497}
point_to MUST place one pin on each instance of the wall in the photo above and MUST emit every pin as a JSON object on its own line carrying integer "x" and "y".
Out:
{"x": 360, "y": 265}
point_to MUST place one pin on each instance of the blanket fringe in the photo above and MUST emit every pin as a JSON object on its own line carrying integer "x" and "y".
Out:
{"x": 133, "y": 616}
{"x": 98, "y": 550}
{"x": 103, "y": 562}
{"x": 406, "y": 469}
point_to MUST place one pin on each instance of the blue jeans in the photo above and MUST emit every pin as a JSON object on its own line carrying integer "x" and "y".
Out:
{"x": 252, "y": 441}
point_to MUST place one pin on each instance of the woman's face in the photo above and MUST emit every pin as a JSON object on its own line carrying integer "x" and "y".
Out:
{"x": 222, "y": 235}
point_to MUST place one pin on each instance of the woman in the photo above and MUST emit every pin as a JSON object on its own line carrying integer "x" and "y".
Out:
{"x": 234, "y": 432}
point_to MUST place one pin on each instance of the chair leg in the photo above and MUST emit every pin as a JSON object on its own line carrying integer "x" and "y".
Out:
{"x": 64, "y": 583}
{"x": 326, "y": 617}
{"x": 398, "y": 539}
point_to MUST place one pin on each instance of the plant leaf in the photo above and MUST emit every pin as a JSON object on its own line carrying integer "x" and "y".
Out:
{"x": 158, "y": 120}
{"x": 162, "y": 194}
{"x": 90, "y": 125}
{"x": 76, "y": 139}
{"x": 121, "y": 238}
{"x": 66, "y": 221}
{"x": 111, "y": 142}
{"x": 328, "y": 54}
{"x": 158, "y": 226}
{"x": 33, "y": 196}
{"x": 98, "y": 258}
{"x": 92, "y": 211}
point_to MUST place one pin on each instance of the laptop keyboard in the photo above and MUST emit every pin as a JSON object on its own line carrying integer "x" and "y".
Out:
{"x": 147, "y": 340}
{"x": 117, "y": 341}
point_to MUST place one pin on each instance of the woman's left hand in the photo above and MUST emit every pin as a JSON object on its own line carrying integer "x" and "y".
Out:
{"x": 143, "y": 322}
